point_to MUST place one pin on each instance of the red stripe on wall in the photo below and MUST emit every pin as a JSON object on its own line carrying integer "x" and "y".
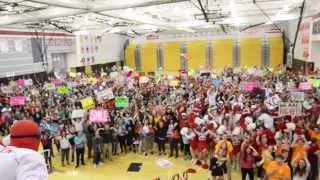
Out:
{"x": 25, "y": 33}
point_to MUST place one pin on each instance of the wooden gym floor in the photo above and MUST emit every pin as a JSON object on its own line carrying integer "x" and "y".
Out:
{"x": 117, "y": 169}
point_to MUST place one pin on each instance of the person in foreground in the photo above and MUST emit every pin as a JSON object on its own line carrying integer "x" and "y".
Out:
{"x": 20, "y": 159}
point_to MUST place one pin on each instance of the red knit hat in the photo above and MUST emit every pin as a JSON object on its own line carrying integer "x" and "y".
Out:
{"x": 25, "y": 134}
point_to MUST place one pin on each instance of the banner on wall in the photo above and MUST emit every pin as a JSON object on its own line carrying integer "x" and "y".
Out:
{"x": 99, "y": 116}
{"x": 303, "y": 47}
{"x": 17, "y": 101}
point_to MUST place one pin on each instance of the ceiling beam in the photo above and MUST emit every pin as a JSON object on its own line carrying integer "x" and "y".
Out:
{"x": 62, "y": 10}
{"x": 203, "y": 11}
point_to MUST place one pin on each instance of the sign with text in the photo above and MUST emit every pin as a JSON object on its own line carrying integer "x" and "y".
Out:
{"x": 99, "y": 116}
{"x": 297, "y": 96}
{"x": 122, "y": 101}
{"x": 105, "y": 94}
{"x": 17, "y": 101}
{"x": 290, "y": 108}
{"x": 305, "y": 86}
{"x": 79, "y": 113}
{"x": 250, "y": 86}
{"x": 87, "y": 103}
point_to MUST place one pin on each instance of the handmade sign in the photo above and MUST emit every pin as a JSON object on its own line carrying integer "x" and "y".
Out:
{"x": 57, "y": 82}
{"x": 87, "y": 103}
{"x": 28, "y": 82}
{"x": 143, "y": 79}
{"x": 92, "y": 80}
{"x": 122, "y": 101}
{"x": 17, "y": 101}
{"x": 63, "y": 90}
{"x": 191, "y": 72}
{"x": 20, "y": 82}
{"x": 305, "y": 86}
{"x": 72, "y": 74}
{"x": 6, "y": 89}
{"x": 250, "y": 86}
{"x": 99, "y": 116}
{"x": 297, "y": 96}
{"x": 109, "y": 104}
{"x": 217, "y": 82}
{"x": 174, "y": 83}
{"x": 49, "y": 86}
{"x": 290, "y": 108}
{"x": 79, "y": 113}
{"x": 314, "y": 82}
{"x": 105, "y": 94}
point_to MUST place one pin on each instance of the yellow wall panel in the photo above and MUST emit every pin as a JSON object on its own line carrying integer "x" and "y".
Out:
{"x": 222, "y": 53}
{"x": 148, "y": 57}
{"x": 276, "y": 51}
{"x": 250, "y": 52}
{"x": 196, "y": 54}
{"x": 171, "y": 56}
{"x": 130, "y": 57}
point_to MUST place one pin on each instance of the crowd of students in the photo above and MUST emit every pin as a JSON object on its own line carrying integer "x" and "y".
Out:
{"x": 208, "y": 119}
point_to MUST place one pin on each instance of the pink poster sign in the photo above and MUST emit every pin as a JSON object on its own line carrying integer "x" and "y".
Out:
{"x": 57, "y": 82}
{"x": 99, "y": 116}
{"x": 305, "y": 86}
{"x": 17, "y": 101}
{"x": 20, "y": 82}
{"x": 249, "y": 86}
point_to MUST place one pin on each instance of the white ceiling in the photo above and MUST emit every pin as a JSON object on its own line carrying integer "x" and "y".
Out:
{"x": 136, "y": 17}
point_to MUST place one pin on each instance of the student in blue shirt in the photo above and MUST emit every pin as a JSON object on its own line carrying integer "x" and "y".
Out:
{"x": 80, "y": 141}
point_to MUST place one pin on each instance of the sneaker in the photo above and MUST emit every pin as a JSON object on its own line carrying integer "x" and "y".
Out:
{"x": 94, "y": 166}
{"x": 198, "y": 162}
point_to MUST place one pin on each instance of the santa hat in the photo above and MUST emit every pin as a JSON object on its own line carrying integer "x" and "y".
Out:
{"x": 25, "y": 134}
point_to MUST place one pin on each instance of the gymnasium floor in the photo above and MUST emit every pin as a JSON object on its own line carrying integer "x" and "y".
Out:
{"x": 117, "y": 169}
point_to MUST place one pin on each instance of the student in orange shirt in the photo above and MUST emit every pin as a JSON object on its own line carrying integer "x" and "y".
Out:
{"x": 278, "y": 169}
{"x": 299, "y": 149}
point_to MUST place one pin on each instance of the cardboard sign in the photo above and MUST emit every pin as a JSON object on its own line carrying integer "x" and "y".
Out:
{"x": 79, "y": 113}
{"x": 63, "y": 90}
{"x": 297, "y": 96}
{"x": 87, "y": 103}
{"x": 99, "y": 116}
{"x": 250, "y": 86}
{"x": 17, "y": 101}
{"x": 305, "y": 86}
{"x": 290, "y": 108}
{"x": 122, "y": 101}
{"x": 105, "y": 95}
